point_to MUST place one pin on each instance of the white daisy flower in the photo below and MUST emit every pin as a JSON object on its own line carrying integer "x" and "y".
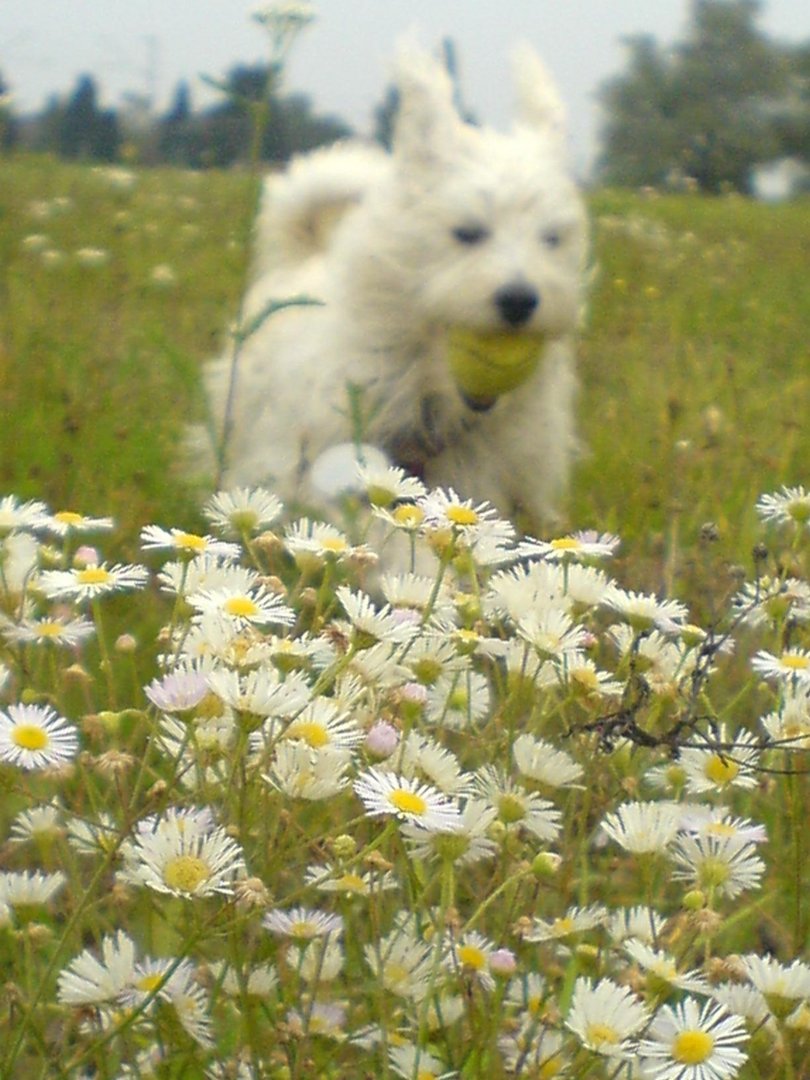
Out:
{"x": 311, "y": 543}
{"x": 92, "y": 581}
{"x": 467, "y": 845}
{"x": 693, "y": 1040}
{"x": 712, "y": 769}
{"x": 790, "y": 506}
{"x": 745, "y": 1001}
{"x": 553, "y": 634}
{"x": 258, "y": 982}
{"x": 97, "y": 837}
{"x": 16, "y": 516}
{"x": 469, "y": 957}
{"x": 577, "y": 920}
{"x": 782, "y": 985}
{"x": 789, "y": 726}
{"x": 409, "y": 1061}
{"x": 204, "y": 573}
{"x": 386, "y": 793}
{"x": 517, "y": 808}
{"x": 425, "y": 758}
{"x": 251, "y": 607}
{"x": 370, "y": 625}
{"x": 640, "y": 922}
{"x": 772, "y": 602}
{"x": 48, "y": 630}
{"x": 791, "y": 666}
{"x": 385, "y": 486}
{"x": 402, "y": 963}
{"x": 320, "y": 961}
{"x": 538, "y": 760}
{"x": 36, "y": 737}
{"x": 587, "y": 544}
{"x": 178, "y": 691}
{"x": 660, "y": 968}
{"x": 605, "y": 1017}
{"x": 302, "y": 924}
{"x": 718, "y": 865}
{"x": 338, "y": 879}
{"x": 322, "y": 724}
{"x": 458, "y": 701}
{"x": 706, "y": 820}
{"x": 260, "y": 692}
{"x": 90, "y": 981}
{"x": 643, "y": 826}
{"x": 27, "y": 888}
{"x": 185, "y": 544}
{"x": 184, "y": 862}
{"x": 38, "y": 822}
{"x": 645, "y": 612}
{"x": 303, "y": 773}
{"x": 65, "y": 522}
{"x": 243, "y": 511}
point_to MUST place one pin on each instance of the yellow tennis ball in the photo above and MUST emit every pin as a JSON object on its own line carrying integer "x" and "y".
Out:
{"x": 488, "y": 363}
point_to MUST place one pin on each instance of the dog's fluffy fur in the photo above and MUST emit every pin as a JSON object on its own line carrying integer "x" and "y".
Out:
{"x": 458, "y": 226}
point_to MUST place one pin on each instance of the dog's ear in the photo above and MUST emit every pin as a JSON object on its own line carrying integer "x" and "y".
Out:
{"x": 427, "y": 127}
{"x": 539, "y": 105}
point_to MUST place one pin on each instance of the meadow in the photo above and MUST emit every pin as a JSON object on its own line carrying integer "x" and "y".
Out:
{"x": 542, "y": 816}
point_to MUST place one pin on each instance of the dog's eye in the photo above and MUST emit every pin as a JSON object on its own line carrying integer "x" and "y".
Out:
{"x": 552, "y": 238}
{"x": 470, "y": 234}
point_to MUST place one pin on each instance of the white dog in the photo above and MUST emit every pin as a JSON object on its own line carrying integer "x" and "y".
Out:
{"x": 461, "y": 236}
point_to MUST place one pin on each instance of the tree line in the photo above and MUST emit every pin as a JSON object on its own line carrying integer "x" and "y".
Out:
{"x": 704, "y": 111}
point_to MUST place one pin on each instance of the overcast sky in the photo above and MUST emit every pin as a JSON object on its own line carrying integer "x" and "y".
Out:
{"x": 341, "y": 59}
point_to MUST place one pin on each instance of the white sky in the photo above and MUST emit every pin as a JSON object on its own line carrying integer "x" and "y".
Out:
{"x": 341, "y": 60}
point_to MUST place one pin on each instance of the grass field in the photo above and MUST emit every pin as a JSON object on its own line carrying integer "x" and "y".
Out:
{"x": 181, "y": 831}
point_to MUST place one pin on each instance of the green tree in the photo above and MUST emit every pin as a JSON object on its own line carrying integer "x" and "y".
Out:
{"x": 704, "y": 109}
{"x": 79, "y": 128}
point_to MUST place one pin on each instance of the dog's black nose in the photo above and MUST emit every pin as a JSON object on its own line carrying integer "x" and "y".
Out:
{"x": 516, "y": 303}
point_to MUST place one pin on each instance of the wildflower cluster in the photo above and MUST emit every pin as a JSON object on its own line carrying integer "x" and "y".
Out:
{"x": 428, "y": 800}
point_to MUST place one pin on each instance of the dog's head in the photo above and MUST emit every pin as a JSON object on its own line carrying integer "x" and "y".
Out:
{"x": 491, "y": 227}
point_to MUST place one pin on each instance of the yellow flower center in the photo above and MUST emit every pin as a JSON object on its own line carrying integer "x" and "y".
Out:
{"x": 150, "y": 982}
{"x": 186, "y": 873}
{"x": 48, "y": 628}
{"x": 310, "y": 732}
{"x": 303, "y": 928}
{"x": 190, "y": 541}
{"x": 350, "y": 883}
{"x": 240, "y": 607}
{"x": 335, "y": 544}
{"x": 408, "y": 515}
{"x": 794, "y": 661}
{"x": 29, "y": 737}
{"x": 713, "y": 873}
{"x": 407, "y": 801}
{"x": 511, "y": 809}
{"x": 602, "y": 1035}
{"x": 68, "y": 517}
{"x": 471, "y": 956}
{"x": 565, "y": 543}
{"x": 721, "y": 828}
{"x": 692, "y": 1047}
{"x": 93, "y": 575}
{"x": 721, "y": 770}
{"x": 458, "y": 700}
{"x": 462, "y": 515}
{"x": 562, "y": 927}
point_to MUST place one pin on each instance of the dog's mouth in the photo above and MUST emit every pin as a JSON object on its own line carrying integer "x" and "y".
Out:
{"x": 488, "y": 363}
{"x": 479, "y": 405}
